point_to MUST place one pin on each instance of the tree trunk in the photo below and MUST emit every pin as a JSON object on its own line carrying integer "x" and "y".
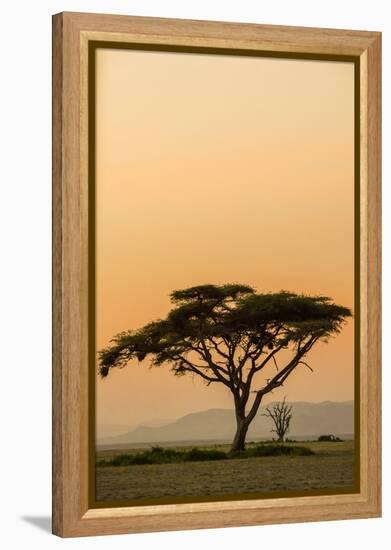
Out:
{"x": 239, "y": 441}
{"x": 243, "y": 422}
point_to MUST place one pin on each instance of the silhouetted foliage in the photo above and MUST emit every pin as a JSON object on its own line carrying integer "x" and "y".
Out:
{"x": 228, "y": 334}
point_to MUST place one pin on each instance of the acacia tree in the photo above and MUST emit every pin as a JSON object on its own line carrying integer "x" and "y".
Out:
{"x": 231, "y": 335}
{"x": 281, "y": 414}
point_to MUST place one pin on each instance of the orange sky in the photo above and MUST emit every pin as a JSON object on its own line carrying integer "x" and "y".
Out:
{"x": 216, "y": 169}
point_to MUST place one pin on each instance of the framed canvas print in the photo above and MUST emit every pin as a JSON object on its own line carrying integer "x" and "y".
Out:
{"x": 216, "y": 274}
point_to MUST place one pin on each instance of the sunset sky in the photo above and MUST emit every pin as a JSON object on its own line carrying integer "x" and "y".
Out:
{"x": 218, "y": 169}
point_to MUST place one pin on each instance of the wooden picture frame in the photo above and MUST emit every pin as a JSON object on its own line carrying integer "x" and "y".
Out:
{"x": 73, "y": 34}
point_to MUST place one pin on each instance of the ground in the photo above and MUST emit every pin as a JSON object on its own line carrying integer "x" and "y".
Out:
{"x": 332, "y": 467}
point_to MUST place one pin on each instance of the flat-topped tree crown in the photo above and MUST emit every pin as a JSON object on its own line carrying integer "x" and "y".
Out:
{"x": 228, "y": 334}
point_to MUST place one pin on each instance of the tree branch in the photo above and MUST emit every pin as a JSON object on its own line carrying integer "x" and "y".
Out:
{"x": 216, "y": 347}
{"x": 280, "y": 377}
{"x": 216, "y": 369}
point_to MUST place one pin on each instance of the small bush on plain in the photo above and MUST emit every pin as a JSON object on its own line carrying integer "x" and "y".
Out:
{"x": 329, "y": 437}
{"x": 274, "y": 449}
{"x": 199, "y": 455}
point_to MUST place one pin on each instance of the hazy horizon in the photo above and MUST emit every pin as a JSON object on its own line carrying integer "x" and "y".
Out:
{"x": 218, "y": 169}
{"x": 313, "y": 419}
{"x": 168, "y": 420}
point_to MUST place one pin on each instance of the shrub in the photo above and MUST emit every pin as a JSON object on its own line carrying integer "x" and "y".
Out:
{"x": 121, "y": 460}
{"x": 199, "y": 455}
{"x": 279, "y": 450}
{"x": 329, "y": 437}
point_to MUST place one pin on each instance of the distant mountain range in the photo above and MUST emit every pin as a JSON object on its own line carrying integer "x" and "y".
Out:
{"x": 308, "y": 419}
{"x": 105, "y": 431}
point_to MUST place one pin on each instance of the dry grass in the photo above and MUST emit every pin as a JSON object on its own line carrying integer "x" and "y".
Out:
{"x": 331, "y": 468}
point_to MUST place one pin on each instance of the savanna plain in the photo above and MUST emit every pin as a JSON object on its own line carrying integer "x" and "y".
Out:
{"x": 329, "y": 466}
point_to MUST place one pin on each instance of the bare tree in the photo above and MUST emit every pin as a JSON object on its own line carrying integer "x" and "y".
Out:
{"x": 281, "y": 414}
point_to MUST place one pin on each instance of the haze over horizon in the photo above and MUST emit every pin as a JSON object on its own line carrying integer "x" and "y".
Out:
{"x": 310, "y": 419}
{"x": 216, "y": 169}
